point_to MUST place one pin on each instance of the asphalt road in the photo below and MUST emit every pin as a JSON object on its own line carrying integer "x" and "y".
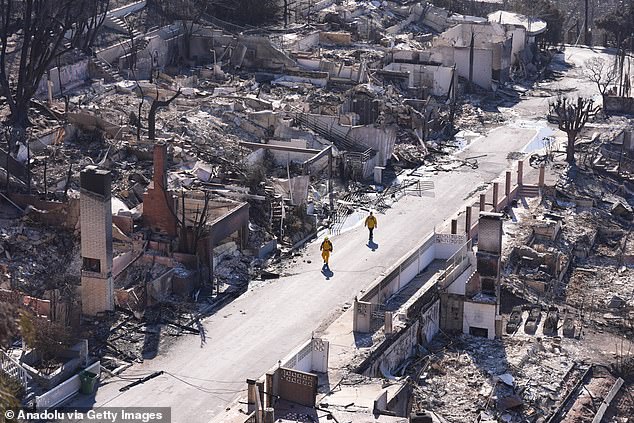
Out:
{"x": 251, "y": 334}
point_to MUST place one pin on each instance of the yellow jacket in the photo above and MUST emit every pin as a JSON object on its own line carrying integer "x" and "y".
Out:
{"x": 326, "y": 245}
{"x": 370, "y": 222}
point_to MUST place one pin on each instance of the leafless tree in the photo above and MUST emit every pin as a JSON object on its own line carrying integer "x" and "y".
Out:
{"x": 197, "y": 222}
{"x": 188, "y": 12}
{"x": 156, "y": 105}
{"x": 32, "y": 35}
{"x": 601, "y": 72}
{"x": 49, "y": 339}
{"x": 130, "y": 52}
{"x": 88, "y": 25}
{"x": 253, "y": 12}
{"x": 572, "y": 117}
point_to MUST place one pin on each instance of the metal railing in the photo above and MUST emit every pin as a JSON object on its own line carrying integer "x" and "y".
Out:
{"x": 397, "y": 269}
{"x": 456, "y": 265}
{"x": 13, "y": 369}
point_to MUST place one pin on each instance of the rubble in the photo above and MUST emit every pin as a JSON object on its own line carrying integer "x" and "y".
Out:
{"x": 267, "y": 137}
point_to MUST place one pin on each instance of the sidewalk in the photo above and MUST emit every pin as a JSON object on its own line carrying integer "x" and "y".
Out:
{"x": 251, "y": 334}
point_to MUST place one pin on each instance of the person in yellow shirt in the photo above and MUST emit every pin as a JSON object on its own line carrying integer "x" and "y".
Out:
{"x": 326, "y": 249}
{"x": 370, "y": 223}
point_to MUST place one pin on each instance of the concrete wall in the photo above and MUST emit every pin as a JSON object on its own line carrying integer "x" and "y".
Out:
{"x": 380, "y": 139}
{"x": 158, "y": 52}
{"x": 436, "y": 78}
{"x": 519, "y": 43}
{"x": 160, "y": 288}
{"x": 459, "y": 284}
{"x": 127, "y": 9}
{"x": 613, "y": 104}
{"x": 337, "y": 70}
{"x": 64, "y": 391}
{"x": 311, "y": 356}
{"x": 235, "y": 219}
{"x": 260, "y": 53}
{"x": 481, "y": 316}
{"x": 430, "y": 322}
{"x": 492, "y": 51}
{"x": 301, "y": 42}
{"x": 416, "y": 12}
{"x": 312, "y": 64}
{"x": 71, "y": 76}
{"x": 163, "y": 40}
{"x": 482, "y": 65}
{"x": 65, "y": 215}
{"x": 446, "y": 245}
{"x": 391, "y": 358}
{"x": 436, "y": 18}
{"x": 282, "y": 157}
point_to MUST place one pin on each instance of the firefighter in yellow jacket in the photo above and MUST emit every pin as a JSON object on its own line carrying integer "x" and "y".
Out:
{"x": 370, "y": 223}
{"x": 326, "y": 249}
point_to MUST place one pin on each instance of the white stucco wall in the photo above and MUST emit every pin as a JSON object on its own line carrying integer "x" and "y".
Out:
{"x": 282, "y": 157}
{"x": 482, "y": 65}
{"x": 519, "y": 43}
{"x": 71, "y": 76}
{"x": 435, "y": 78}
{"x": 479, "y": 315}
{"x": 429, "y": 322}
{"x": 460, "y": 284}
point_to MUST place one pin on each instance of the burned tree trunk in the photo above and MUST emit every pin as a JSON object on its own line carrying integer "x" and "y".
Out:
{"x": 570, "y": 147}
{"x": 156, "y": 104}
{"x": 32, "y": 35}
{"x": 572, "y": 117}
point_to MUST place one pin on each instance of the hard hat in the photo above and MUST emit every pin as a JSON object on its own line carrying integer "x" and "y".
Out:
{"x": 325, "y": 238}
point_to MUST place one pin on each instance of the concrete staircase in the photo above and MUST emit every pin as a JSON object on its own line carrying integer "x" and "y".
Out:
{"x": 355, "y": 152}
{"x": 530, "y": 191}
{"x": 277, "y": 211}
{"x": 118, "y": 24}
{"x": 107, "y": 71}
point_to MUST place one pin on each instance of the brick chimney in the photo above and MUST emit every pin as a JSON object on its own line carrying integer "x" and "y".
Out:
{"x": 97, "y": 291}
{"x": 159, "y": 205}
